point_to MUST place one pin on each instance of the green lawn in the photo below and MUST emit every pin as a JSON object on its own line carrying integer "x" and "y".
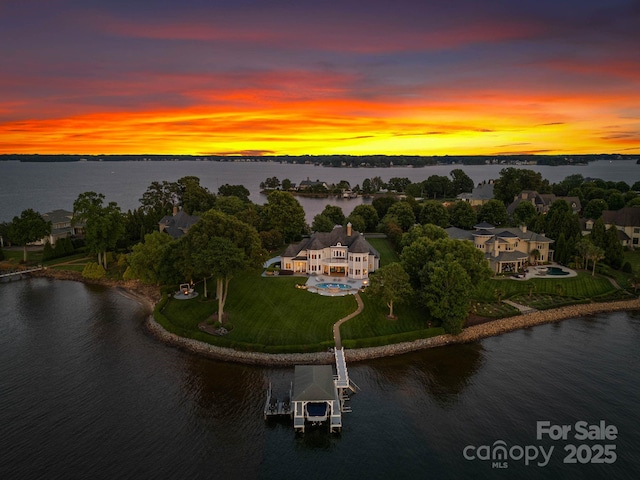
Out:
{"x": 385, "y": 249}
{"x": 266, "y": 312}
{"x": 633, "y": 257}
{"x": 372, "y": 322}
{"x": 582, "y": 286}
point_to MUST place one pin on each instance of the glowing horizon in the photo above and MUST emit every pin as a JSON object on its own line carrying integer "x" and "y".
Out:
{"x": 298, "y": 79}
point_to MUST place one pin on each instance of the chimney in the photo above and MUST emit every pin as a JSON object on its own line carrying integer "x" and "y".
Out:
{"x": 175, "y": 210}
{"x": 349, "y": 229}
{"x": 523, "y": 228}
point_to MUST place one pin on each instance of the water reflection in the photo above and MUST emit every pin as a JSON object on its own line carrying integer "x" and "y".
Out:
{"x": 442, "y": 373}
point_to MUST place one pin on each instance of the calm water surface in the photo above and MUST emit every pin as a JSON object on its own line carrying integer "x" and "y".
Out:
{"x": 86, "y": 393}
{"x": 48, "y": 186}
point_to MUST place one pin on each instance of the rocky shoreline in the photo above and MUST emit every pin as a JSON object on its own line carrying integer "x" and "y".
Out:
{"x": 151, "y": 295}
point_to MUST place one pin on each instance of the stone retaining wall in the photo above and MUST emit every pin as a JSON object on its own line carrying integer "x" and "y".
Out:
{"x": 470, "y": 334}
{"x": 150, "y": 295}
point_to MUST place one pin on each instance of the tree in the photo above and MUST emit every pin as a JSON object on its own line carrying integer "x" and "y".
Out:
{"x": 613, "y": 250}
{"x": 461, "y": 182}
{"x": 367, "y": 188}
{"x": 562, "y": 253}
{"x": 27, "y": 228}
{"x": 493, "y": 212}
{"x": 435, "y": 213}
{"x": 239, "y": 191}
{"x": 513, "y": 180}
{"x": 437, "y": 186}
{"x": 424, "y": 250}
{"x": 595, "y": 208}
{"x": 462, "y": 215}
{"x": 430, "y": 231}
{"x": 220, "y": 259}
{"x": 598, "y": 233}
{"x": 615, "y": 200}
{"x": 524, "y": 213}
{"x": 103, "y": 224}
{"x": 285, "y": 214}
{"x": 271, "y": 240}
{"x": 286, "y": 185}
{"x": 445, "y": 292}
{"x": 582, "y": 248}
{"x": 220, "y": 245}
{"x": 369, "y": 214}
{"x": 160, "y": 198}
{"x": 322, "y": 223}
{"x": 334, "y": 213}
{"x": 382, "y": 204}
{"x": 398, "y": 184}
{"x": 391, "y": 283}
{"x": 595, "y": 254}
{"x": 270, "y": 183}
{"x": 145, "y": 261}
{"x": 403, "y": 212}
{"x": 194, "y": 198}
{"x": 357, "y": 222}
{"x": 560, "y": 219}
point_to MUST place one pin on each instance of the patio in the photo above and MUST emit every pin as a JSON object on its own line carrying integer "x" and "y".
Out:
{"x": 545, "y": 271}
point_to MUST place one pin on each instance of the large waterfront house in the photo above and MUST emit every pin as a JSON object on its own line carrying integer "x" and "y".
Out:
{"x": 506, "y": 249}
{"x": 61, "y": 226}
{"x": 341, "y": 252}
{"x": 626, "y": 220}
{"x": 480, "y": 194}
{"x": 542, "y": 201}
{"x": 177, "y": 224}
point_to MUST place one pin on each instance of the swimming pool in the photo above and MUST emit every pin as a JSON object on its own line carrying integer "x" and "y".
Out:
{"x": 327, "y": 285}
{"x": 556, "y": 271}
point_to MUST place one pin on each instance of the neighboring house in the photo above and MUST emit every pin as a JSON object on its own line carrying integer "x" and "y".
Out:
{"x": 307, "y": 184}
{"x": 177, "y": 224}
{"x": 480, "y": 194}
{"x": 61, "y": 226}
{"x": 626, "y": 220}
{"x": 542, "y": 201}
{"x": 340, "y": 252}
{"x": 506, "y": 249}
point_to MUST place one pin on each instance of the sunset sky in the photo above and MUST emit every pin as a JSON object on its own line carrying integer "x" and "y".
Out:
{"x": 320, "y": 77}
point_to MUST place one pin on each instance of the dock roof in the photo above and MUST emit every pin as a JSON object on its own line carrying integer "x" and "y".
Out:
{"x": 313, "y": 383}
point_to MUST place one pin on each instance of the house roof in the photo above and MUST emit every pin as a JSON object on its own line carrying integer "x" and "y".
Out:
{"x": 459, "y": 234}
{"x": 58, "y": 216}
{"x": 483, "y": 233}
{"x": 355, "y": 242}
{"x": 484, "y": 226}
{"x": 625, "y": 217}
{"x": 313, "y": 383}
{"x": 178, "y": 224}
{"x": 511, "y": 232}
{"x": 507, "y": 234}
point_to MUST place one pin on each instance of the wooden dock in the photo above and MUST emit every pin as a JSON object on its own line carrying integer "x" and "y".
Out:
{"x": 317, "y": 396}
{"x": 275, "y": 407}
{"x": 19, "y": 272}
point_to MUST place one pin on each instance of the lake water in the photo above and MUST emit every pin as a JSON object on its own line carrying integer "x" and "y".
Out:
{"x": 85, "y": 392}
{"x": 48, "y": 186}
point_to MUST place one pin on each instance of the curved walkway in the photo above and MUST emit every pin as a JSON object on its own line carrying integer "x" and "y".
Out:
{"x": 336, "y": 326}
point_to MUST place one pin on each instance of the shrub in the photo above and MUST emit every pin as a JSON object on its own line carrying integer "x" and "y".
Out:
{"x": 627, "y": 268}
{"x": 47, "y": 252}
{"x": 94, "y": 271}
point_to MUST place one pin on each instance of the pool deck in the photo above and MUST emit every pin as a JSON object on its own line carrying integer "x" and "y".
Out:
{"x": 314, "y": 280}
{"x": 540, "y": 271}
